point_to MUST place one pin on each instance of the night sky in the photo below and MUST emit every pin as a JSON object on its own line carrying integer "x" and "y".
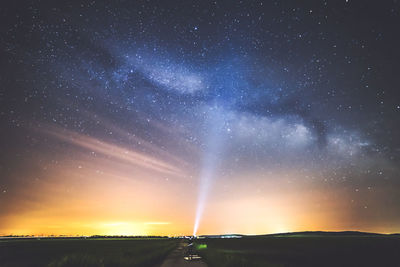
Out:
{"x": 212, "y": 117}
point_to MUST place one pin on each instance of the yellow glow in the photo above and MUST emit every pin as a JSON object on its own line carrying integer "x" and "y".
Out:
{"x": 136, "y": 194}
{"x": 122, "y": 228}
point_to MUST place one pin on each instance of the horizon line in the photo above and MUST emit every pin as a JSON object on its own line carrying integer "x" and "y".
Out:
{"x": 203, "y": 235}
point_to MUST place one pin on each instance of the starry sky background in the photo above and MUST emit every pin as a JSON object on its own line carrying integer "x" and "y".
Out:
{"x": 127, "y": 117}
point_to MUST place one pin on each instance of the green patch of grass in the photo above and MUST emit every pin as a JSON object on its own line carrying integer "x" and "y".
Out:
{"x": 201, "y": 246}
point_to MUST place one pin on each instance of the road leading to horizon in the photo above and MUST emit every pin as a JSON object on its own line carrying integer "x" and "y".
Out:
{"x": 175, "y": 258}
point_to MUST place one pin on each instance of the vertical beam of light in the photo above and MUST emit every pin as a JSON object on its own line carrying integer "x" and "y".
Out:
{"x": 210, "y": 161}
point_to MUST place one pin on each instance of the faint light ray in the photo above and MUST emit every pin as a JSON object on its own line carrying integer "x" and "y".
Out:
{"x": 114, "y": 151}
{"x": 157, "y": 223}
{"x": 132, "y": 137}
{"x": 209, "y": 165}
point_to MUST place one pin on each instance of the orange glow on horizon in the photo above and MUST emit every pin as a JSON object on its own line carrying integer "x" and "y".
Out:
{"x": 98, "y": 205}
{"x": 104, "y": 193}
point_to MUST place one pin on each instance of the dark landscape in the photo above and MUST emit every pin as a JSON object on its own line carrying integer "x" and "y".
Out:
{"x": 303, "y": 249}
{"x": 287, "y": 249}
{"x": 85, "y": 252}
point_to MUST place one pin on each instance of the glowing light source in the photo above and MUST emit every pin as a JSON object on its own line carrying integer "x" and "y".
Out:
{"x": 122, "y": 228}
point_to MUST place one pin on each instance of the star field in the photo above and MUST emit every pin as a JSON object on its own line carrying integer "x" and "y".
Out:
{"x": 286, "y": 111}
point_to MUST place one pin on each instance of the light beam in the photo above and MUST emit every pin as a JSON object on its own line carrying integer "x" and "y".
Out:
{"x": 211, "y": 158}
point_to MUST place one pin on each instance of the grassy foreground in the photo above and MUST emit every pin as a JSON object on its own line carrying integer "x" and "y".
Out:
{"x": 301, "y": 250}
{"x": 84, "y": 252}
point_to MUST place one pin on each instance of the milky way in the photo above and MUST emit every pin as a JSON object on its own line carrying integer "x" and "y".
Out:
{"x": 247, "y": 117}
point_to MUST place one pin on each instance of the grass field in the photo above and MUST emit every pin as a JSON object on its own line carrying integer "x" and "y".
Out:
{"x": 84, "y": 252}
{"x": 301, "y": 250}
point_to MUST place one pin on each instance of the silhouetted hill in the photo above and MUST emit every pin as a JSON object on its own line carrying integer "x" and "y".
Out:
{"x": 323, "y": 233}
{"x": 303, "y": 234}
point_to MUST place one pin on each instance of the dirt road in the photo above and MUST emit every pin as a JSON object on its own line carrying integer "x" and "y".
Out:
{"x": 175, "y": 259}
